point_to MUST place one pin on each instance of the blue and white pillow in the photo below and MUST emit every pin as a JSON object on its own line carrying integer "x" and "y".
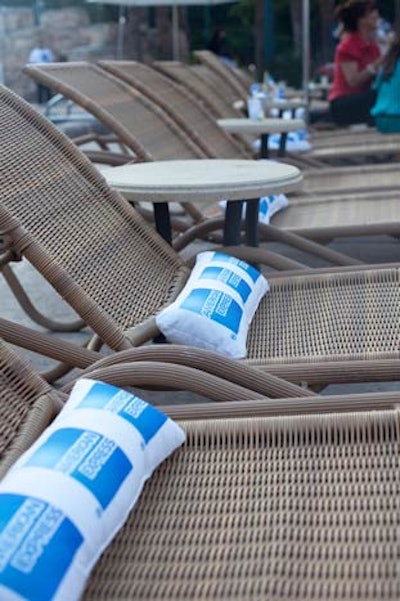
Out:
{"x": 215, "y": 308}
{"x": 67, "y": 496}
{"x": 296, "y": 141}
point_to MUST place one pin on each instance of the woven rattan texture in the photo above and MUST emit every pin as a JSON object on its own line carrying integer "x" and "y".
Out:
{"x": 19, "y": 389}
{"x": 341, "y": 210}
{"x": 180, "y": 103}
{"x": 194, "y": 78}
{"x": 222, "y": 87}
{"x": 225, "y": 72}
{"x": 88, "y": 236}
{"x": 317, "y": 317}
{"x": 157, "y": 134}
{"x": 364, "y": 177}
{"x": 286, "y": 508}
{"x": 366, "y": 136}
{"x": 381, "y": 146}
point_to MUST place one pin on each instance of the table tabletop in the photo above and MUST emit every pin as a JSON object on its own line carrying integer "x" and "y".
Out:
{"x": 202, "y": 180}
{"x": 271, "y": 125}
{"x": 205, "y": 180}
{"x": 264, "y": 128}
{"x": 285, "y": 104}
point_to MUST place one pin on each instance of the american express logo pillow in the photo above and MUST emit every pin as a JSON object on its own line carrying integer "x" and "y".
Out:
{"x": 67, "y": 496}
{"x": 216, "y": 306}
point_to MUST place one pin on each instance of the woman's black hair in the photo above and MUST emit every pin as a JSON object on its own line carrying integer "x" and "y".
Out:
{"x": 351, "y": 11}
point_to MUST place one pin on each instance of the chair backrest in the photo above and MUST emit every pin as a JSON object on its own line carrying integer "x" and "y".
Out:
{"x": 245, "y": 76}
{"x": 224, "y": 71}
{"x": 83, "y": 237}
{"x": 180, "y": 104}
{"x": 138, "y": 122}
{"x": 203, "y": 84}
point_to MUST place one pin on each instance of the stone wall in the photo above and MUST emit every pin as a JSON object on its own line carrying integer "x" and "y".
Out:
{"x": 73, "y": 37}
{"x": 67, "y": 31}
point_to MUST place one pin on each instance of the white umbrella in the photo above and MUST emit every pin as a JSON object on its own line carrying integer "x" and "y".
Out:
{"x": 174, "y": 5}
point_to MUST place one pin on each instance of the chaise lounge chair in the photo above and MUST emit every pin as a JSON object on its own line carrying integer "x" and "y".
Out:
{"x": 329, "y": 150}
{"x": 87, "y": 84}
{"x": 117, "y": 273}
{"x": 279, "y": 507}
{"x": 333, "y": 202}
{"x": 150, "y": 133}
{"x": 182, "y": 106}
{"x": 28, "y": 402}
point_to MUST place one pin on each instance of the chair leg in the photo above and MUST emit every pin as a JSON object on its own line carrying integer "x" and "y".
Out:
{"x": 23, "y": 300}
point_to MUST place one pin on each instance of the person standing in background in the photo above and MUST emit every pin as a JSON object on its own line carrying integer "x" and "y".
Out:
{"x": 357, "y": 59}
{"x": 41, "y": 54}
{"x": 219, "y": 45}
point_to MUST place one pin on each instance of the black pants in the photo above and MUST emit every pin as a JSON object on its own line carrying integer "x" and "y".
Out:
{"x": 43, "y": 93}
{"x": 353, "y": 108}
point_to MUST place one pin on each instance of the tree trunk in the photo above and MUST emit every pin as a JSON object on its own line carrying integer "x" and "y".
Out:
{"x": 259, "y": 38}
{"x": 326, "y": 10}
{"x": 163, "y": 25}
{"x": 296, "y": 19}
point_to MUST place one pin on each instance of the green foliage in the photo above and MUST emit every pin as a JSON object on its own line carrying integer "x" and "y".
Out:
{"x": 243, "y": 11}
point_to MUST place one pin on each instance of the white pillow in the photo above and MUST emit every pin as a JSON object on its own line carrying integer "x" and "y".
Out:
{"x": 267, "y": 207}
{"x": 65, "y": 499}
{"x": 216, "y": 306}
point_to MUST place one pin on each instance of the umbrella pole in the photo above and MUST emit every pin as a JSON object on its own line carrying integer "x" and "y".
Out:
{"x": 121, "y": 32}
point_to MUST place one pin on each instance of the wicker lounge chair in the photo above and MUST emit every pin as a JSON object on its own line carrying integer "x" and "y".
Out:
{"x": 225, "y": 72}
{"x": 80, "y": 80}
{"x": 137, "y": 122}
{"x": 117, "y": 273}
{"x": 181, "y": 105}
{"x": 334, "y": 202}
{"x": 216, "y": 96}
{"x": 86, "y": 84}
{"x": 283, "y": 509}
{"x": 268, "y": 506}
{"x": 28, "y": 402}
{"x": 197, "y": 79}
{"x": 335, "y": 150}
{"x": 183, "y": 108}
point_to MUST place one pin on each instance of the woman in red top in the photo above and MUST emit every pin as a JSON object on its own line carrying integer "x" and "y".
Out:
{"x": 357, "y": 59}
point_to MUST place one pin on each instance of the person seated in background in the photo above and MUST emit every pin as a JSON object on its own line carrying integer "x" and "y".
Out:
{"x": 386, "y": 111}
{"x": 357, "y": 59}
